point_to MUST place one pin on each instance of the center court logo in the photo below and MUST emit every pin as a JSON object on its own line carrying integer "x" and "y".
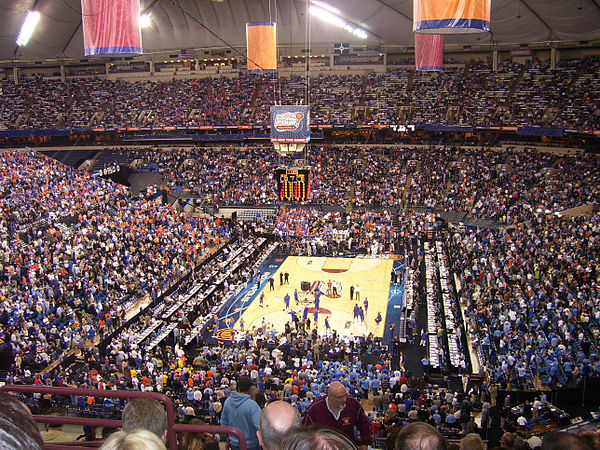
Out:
{"x": 225, "y": 334}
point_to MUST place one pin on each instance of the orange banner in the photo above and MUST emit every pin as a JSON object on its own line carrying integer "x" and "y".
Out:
{"x": 451, "y": 16}
{"x": 262, "y": 47}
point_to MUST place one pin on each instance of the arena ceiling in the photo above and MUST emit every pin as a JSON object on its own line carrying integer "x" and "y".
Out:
{"x": 179, "y": 24}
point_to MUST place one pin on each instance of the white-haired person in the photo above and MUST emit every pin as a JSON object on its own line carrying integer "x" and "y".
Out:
{"x": 139, "y": 439}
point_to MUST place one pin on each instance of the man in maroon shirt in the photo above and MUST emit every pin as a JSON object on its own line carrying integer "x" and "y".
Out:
{"x": 340, "y": 411}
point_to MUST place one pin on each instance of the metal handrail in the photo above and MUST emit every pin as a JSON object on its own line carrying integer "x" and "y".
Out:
{"x": 172, "y": 427}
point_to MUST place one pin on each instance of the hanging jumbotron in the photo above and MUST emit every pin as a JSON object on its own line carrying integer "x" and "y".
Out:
{"x": 290, "y": 127}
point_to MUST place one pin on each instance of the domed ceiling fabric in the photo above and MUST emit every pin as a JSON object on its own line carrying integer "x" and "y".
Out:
{"x": 180, "y": 24}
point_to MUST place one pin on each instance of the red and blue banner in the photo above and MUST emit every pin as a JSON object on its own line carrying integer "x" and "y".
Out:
{"x": 429, "y": 51}
{"x": 451, "y": 16}
{"x": 111, "y": 27}
{"x": 262, "y": 47}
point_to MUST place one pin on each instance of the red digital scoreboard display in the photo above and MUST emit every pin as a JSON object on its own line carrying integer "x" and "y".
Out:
{"x": 293, "y": 184}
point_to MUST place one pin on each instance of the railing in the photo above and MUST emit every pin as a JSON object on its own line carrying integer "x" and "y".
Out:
{"x": 172, "y": 427}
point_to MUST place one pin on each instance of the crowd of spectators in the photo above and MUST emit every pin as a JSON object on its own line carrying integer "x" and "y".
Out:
{"x": 530, "y": 94}
{"x": 409, "y": 400}
{"x": 36, "y": 190}
{"x": 512, "y": 187}
{"x": 73, "y": 103}
{"x": 531, "y": 298}
{"x": 488, "y": 93}
{"x": 472, "y": 182}
{"x": 313, "y": 232}
{"x": 529, "y": 291}
{"x": 433, "y": 92}
{"x": 218, "y": 175}
{"x": 188, "y": 310}
{"x": 579, "y": 106}
{"x": 63, "y": 286}
{"x": 505, "y": 186}
{"x": 296, "y": 366}
{"x": 385, "y": 94}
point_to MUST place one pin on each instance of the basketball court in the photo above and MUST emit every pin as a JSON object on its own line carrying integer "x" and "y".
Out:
{"x": 334, "y": 278}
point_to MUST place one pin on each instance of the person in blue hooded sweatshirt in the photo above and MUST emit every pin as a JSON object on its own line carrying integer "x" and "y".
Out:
{"x": 242, "y": 412}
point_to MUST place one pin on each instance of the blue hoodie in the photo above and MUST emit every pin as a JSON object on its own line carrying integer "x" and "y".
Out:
{"x": 242, "y": 412}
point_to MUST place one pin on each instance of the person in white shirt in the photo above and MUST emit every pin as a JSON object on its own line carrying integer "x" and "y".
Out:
{"x": 197, "y": 395}
{"x": 522, "y": 421}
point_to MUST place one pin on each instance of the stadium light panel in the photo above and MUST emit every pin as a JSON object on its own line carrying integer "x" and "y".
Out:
{"x": 326, "y": 6}
{"x": 335, "y": 20}
{"x": 359, "y": 33}
{"x": 327, "y": 16}
{"x": 145, "y": 21}
{"x": 31, "y": 20}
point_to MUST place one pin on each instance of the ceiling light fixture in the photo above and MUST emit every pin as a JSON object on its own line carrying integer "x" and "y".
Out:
{"x": 31, "y": 20}
{"x": 145, "y": 21}
{"x": 317, "y": 10}
{"x": 327, "y": 7}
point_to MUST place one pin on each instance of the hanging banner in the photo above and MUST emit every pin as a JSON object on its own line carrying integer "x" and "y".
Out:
{"x": 541, "y": 131}
{"x": 261, "y": 46}
{"x": 451, "y": 16}
{"x": 111, "y": 27}
{"x": 290, "y": 123}
{"x": 429, "y": 51}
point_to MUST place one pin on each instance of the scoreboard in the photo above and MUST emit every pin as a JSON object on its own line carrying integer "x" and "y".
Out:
{"x": 293, "y": 184}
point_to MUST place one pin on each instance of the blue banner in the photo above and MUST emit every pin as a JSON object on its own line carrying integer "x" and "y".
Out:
{"x": 541, "y": 131}
{"x": 440, "y": 127}
{"x": 198, "y": 137}
{"x": 36, "y": 132}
